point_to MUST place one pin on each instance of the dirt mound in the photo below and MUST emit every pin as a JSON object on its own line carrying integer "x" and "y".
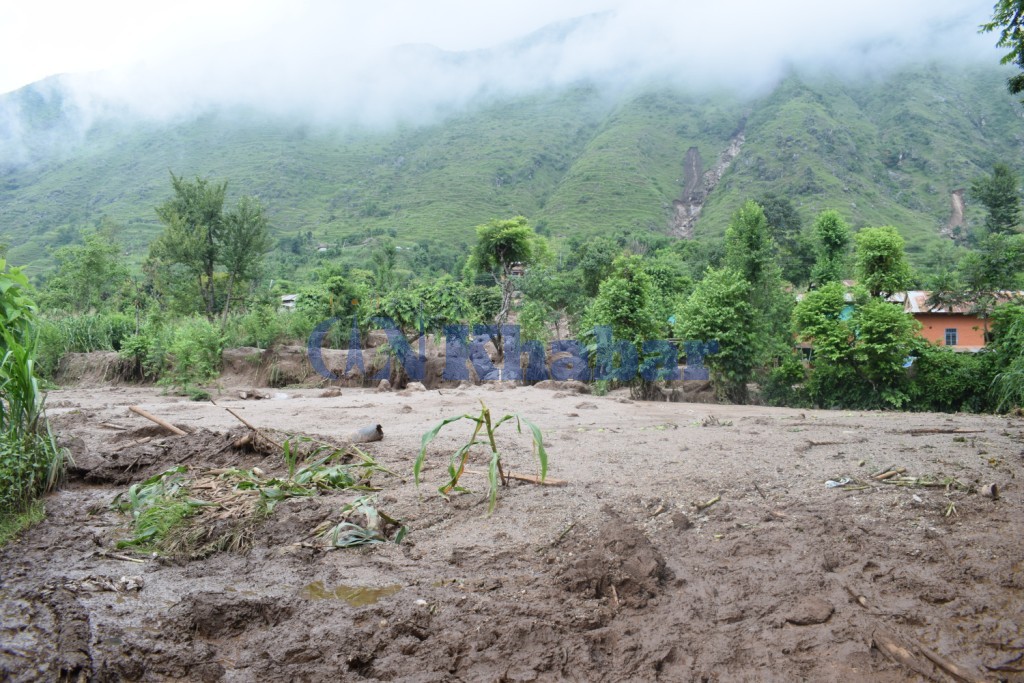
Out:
{"x": 141, "y": 453}
{"x": 95, "y": 367}
{"x": 618, "y": 564}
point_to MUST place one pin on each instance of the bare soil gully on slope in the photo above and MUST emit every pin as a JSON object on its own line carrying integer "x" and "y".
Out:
{"x": 615, "y": 576}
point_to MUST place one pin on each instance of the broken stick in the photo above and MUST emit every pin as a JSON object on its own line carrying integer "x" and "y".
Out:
{"x": 241, "y": 419}
{"x": 909, "y": 654}
{"x": 241, "y": 442}
{"x": 547, "y": 481}
{"x": 920, "y": 431}
{"x": 705, "y": 506}
{"x": 890, "y": 474}
{"x": 158, "y": 420}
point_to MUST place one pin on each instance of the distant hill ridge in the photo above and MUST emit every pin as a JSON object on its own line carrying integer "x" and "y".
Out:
{"x": 576, "y": 161}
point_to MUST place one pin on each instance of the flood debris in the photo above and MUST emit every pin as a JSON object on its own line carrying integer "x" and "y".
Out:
{"x": 99, "y": 584}
{"x": 703, "y": 506}
{"x": 918, "y": 658}
{"x": 922, "y": 431}
{"x": 158, "y": 420}
{"x": 252, "y": 395}
{"x": 365, "y": 434}
{"x": 990, "y": 491}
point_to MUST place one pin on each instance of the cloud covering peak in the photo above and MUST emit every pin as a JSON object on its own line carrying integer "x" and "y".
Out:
{"x": 376, "y": 64}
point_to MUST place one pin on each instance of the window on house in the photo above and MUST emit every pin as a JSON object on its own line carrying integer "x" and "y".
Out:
{"x": 950, "y": 336}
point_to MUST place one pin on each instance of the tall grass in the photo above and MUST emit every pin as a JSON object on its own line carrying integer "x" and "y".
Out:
{"x": 80, "y": 334}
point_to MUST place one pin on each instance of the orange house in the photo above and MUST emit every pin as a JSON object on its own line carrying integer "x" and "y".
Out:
{"x": 955, "y": 326}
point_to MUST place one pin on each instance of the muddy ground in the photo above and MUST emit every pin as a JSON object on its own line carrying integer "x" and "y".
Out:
{"x": 617, "y": 575}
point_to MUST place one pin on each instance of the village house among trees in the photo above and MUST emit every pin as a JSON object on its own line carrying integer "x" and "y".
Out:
{"x": 960, "y": 326}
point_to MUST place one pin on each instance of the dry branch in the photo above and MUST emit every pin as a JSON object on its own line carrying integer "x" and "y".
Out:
{"x": 910, "y": 655}
{"x": 920, "y": 431}
{"x": 242, "y": 419}
{"x": 257, "y": 434}
{"x": 890, "y": 474}
{"x": 547, "y": 481}
{"x": 138, "y": 442}
{"x": 704, "y": 506}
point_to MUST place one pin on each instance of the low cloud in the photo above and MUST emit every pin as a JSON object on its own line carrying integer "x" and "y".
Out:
{"x": 413, "y": 62}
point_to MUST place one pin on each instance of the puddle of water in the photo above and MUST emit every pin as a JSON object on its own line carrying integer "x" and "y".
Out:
{"x": 356, "y": 596}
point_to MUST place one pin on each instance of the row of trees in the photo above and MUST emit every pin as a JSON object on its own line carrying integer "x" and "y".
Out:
{"x": 643, "y": 286}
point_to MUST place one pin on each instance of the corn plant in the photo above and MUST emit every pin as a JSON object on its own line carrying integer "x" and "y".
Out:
{"x": 30, "y": 461}
{"x": 485, "y": 427}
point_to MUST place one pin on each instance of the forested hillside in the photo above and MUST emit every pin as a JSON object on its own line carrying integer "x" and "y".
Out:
{"x": 577, "y": 162}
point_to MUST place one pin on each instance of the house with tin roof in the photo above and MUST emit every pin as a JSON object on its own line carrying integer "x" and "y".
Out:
{"x": 960, "y": 326}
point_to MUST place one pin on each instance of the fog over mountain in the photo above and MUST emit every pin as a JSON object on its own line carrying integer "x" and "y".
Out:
{"x": 404, "y": 62}
{"x": 421, "y": 119}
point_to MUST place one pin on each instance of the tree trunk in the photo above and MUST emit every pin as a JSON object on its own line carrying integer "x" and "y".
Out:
{"x": 227, "y": 300}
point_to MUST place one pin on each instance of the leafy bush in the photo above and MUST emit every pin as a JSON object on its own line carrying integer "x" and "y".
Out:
{"x": 784, "y": 385}
{"x": 719, "y": 310}
{"x": 264, "y": 327}
{"x": 860, "y": 346}
{"x": 943, "y": 380}
{"x": 195, "y": 353}
{"x": 1008, "y": 345}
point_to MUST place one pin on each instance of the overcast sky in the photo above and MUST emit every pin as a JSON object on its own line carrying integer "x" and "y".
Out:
{"x": 337, "y": 57}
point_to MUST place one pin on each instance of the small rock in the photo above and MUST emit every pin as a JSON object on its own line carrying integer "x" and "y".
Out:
{"x": 415, "y": 386}
{"x": 810, "y": 611}
{"x": 421, "y": 603}
{"x": 680, "y": 521}
{"x": 333, "y": 392}
{"x": 406, "y": 409}
{"x": 384, "y": 385}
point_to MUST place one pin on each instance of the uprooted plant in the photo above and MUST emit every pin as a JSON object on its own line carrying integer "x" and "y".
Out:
{"x": 196, "y": 513}
{"x": 495, "y": 472}
{"x": 362, "y": 523}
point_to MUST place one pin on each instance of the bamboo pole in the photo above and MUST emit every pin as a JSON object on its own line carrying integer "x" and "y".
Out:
{"x": 158, "y": 420}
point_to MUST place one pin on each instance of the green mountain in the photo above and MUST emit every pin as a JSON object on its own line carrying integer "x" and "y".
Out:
{"x": 579, "y": 161}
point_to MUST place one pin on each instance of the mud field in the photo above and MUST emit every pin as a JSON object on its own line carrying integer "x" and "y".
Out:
{"x": 689, "y": 542}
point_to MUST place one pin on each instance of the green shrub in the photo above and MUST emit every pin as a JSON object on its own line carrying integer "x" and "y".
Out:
{"x": 195, "y": 354}
{"x": 860, "y": 344}
{"x": 262, "y": 327}
{"x": 943, "y": 380}
{"x": 783, "y": 385}
{"x": 1007, "y": 390}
